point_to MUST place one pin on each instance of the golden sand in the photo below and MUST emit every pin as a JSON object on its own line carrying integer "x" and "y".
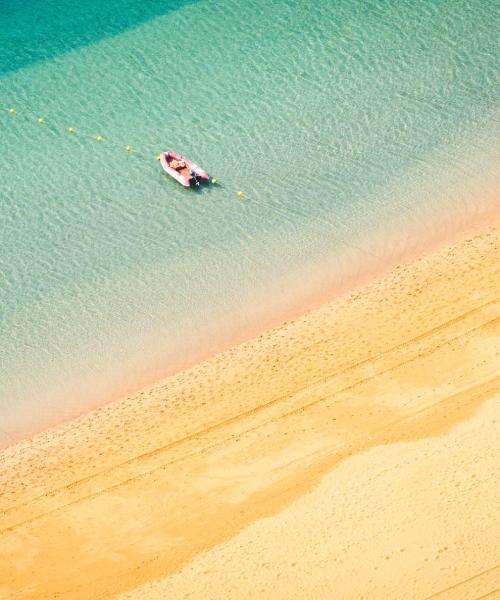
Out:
{"x": 350, "y": 454}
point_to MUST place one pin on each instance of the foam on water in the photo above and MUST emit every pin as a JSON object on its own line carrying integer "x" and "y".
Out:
{"x": 338, "y": 121}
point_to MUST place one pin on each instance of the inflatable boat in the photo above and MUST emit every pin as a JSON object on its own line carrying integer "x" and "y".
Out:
{"x": 182, "y": 169}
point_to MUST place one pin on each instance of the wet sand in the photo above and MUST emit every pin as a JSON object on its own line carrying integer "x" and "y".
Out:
{"x": 351, "y": 453}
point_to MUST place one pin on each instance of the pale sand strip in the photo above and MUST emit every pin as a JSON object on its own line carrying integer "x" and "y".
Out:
{"x": 366, "y": 432}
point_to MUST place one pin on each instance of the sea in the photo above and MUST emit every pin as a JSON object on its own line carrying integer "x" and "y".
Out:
{"x": 356, "y": 130}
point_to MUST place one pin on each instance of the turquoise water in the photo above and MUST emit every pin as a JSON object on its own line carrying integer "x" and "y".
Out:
{"x": 354, "y": 128}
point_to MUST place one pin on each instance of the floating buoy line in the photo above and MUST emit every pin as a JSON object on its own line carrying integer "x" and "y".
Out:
{"x": 73, "y": 131}
{"x": 41, "y": 120}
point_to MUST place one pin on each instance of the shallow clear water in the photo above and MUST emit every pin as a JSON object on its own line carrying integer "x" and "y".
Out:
{"x": 352, "y": 128}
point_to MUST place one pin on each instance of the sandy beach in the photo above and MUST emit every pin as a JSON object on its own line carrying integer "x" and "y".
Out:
{"x": 349, "y": 454}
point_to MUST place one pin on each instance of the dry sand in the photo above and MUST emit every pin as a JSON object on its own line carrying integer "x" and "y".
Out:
{"x": 352, "y": 453}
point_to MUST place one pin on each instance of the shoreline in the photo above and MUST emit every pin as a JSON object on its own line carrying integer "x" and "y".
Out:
{"x": 370, "y": 271}
{"x": 364, "y": 428}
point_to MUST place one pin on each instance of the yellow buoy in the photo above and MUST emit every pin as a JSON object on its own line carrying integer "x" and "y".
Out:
{"x": 41, "y": 120}
{"x": 71, "y": 130}
{"x": 214, "y": 181}
{"x": 128, "y": 148}
{"x": 241, "y": 194}
{"x": 12, "y": 110}
{"x": 99, "y": 138}
{"x": 158, "y": 157}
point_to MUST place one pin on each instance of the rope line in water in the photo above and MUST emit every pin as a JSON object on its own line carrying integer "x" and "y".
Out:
{"x": 36, "y": 118}
{"x": 73, "y": 131}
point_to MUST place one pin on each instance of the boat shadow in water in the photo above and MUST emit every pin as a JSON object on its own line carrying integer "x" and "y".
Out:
{"x": 203, "y": 188}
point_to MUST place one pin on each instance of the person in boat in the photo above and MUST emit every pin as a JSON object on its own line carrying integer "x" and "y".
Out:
{"x": 178, "y": 165}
